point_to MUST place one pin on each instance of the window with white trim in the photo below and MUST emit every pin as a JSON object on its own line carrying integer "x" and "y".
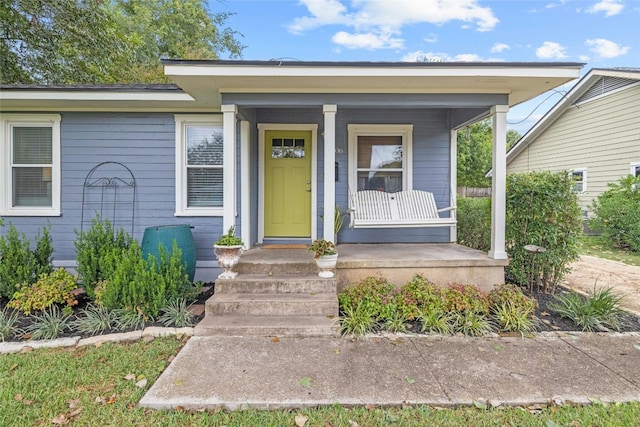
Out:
{"x": 635, "y": 169}
{"x": 30, "y": 159}
{"x": 199, "y": 165}
{"x": 579, "y": 177}
{"x": 380, "y": 157}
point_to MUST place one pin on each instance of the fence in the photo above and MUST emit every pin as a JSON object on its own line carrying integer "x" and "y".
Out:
{"x": 474, "y": 192}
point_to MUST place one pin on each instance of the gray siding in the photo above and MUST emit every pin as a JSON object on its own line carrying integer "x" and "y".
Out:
{"x": 431, "y": 166}
{"x": 145, "y": 143}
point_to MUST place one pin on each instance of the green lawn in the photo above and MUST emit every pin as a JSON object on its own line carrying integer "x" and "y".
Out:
{"x": 99, "y": 384}
{"x": 596, "y": 246}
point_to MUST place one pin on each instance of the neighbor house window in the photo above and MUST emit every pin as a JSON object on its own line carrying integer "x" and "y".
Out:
{"x": 199, "y": 165}
{"x": 30, "y": 159}
{"x": 579, "y": 177}
{"x": 635, "y": 169}
{"x": 380, "y": 157}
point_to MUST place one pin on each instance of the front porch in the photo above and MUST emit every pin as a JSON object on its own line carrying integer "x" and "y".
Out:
{"x": 441, "y": 263}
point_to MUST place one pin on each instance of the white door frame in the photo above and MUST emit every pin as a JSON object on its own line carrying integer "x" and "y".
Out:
{"x": 313, "y": 128}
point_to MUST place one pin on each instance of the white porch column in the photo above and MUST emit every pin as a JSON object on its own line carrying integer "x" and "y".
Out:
{"x": 245, "y": 181}
{"x": 453, "y": 181}
{"x": 329, "y": 169}
{"x": 229, "y": 169}
{"x": 499, "y": 182}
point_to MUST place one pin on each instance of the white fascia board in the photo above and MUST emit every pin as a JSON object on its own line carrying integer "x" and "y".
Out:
{"x": 93, "y": 96}
{"x": 374, "y": 71}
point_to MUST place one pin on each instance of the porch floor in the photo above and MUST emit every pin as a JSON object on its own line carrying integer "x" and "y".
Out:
{"x": 442, "y": 263}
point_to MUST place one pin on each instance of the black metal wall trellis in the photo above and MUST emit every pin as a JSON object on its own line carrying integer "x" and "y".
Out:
{"x": 109, "y": 190}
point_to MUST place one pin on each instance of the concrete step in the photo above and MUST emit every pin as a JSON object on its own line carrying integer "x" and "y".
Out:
{"x": 263, "y": 283}
{"x": 267, "y": 326}
{"x": 288, "y": 304}
{"x": 277, "y": 268}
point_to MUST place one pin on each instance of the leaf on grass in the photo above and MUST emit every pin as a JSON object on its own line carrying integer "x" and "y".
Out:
{"x": 13, "y": 367}
{"x": 301, "y": 420}
{"x": 60, "y": 420}
{"x": 275, "y": 340}
{"x": 353, "y": 423}
{"x": 370, "y": 407}
{"x": 75, "y": 412}
{"x": 410, "y": 380}
{"x": 18, "y": 397}
{"x": 101, "y": 400}
{"x": 130, "y": 377}
{"x": 112, "y": 399}
{"x": 305, "y": 381}
{"x": 480, "y": 405}
{"x": 142, "y": 383}
{"x": 73, "y": 404}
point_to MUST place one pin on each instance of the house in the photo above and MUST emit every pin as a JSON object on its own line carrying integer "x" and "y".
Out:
{"x": 593, "y": 132}
{"x": 270, "y": 147}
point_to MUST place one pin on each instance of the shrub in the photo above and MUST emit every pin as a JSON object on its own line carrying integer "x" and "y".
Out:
{"x": 9, "y": 324}
{"x": 542, "y": 209}
{"x": 48, "y": 325}
{"x": 372, "y": 293}
{"x": 509, "y": 316}
{"x": 474, "y": 222}
{"x": 508, "y": 293}
{"x": 144, "y": 286}
{"x": 465, "y": 298}
{"x": 617, "y": 213}
{"x": 98, "y": 252}
{"x": 95, "y": 319}
{"x": 176, "y": 313}
{"x": 357, "y": 320}
{"x": 599, "y": 311}
{"x": 435, "y": 320}
{"x": 53, "y": 288}
{"x": 20, "y": 264}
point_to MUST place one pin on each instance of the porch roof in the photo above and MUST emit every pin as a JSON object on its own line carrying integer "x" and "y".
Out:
{"x": 207, "y": 80}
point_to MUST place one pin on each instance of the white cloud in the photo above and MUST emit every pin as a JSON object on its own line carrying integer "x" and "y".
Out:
{"x": 606, "y": 48}
{"x": 584, "y": 58}
{"x": 378, "y": 20}
{"x": 366, "y": 41}
{"x": 499, "y": 47}
{"x": 550, "y": 50}
{"x": 609, "y": 7}
{"x": 431, "y": 38}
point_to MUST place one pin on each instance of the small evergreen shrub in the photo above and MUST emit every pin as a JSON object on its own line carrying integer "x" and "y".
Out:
{"x": 474, "y": 222}
{"x": 99, "y": 251}
{"x": 53, "y": 288}
{"x": 509, "y": 293}
{"x": 21, "y": 265}
{"x": 541, "y": 209}
{"x": 617, "y": 213}
{"x": 145, "y": 286}
{"x": 465, "y": 298}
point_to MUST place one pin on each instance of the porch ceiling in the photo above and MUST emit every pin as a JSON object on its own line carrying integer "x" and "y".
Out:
{"x": 207, "y": 80}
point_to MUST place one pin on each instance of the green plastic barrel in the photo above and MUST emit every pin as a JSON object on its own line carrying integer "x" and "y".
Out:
{"x": 165, "y": 235}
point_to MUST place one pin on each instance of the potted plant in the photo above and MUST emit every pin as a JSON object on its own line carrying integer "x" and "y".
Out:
{"x": 228, "y": 249}
{"x": 326, "y": 256}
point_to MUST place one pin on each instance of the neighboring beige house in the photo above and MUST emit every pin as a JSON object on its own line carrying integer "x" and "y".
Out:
{"x": 593, "y": 132}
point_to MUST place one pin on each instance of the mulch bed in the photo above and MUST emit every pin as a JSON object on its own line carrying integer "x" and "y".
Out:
{"x": 549, "y": 320}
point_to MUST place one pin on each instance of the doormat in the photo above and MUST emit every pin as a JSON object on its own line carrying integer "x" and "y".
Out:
{"x": 285, "y": 246}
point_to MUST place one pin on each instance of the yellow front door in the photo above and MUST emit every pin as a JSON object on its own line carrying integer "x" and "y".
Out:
{"x": 287, "y": 184}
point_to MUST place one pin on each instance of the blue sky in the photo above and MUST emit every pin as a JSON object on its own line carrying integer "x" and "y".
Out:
{"x": 600, "y": 33}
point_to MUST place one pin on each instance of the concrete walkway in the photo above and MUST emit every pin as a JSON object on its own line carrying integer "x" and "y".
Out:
{"x": 270, "y": 373}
